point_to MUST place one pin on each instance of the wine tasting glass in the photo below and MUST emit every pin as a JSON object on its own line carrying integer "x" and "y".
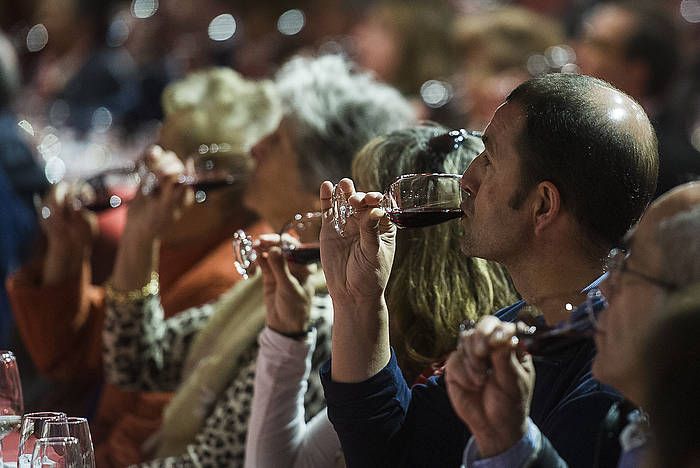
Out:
{"x": 540, "y": 339}
{"x": 299, "y": 241}
{"x": 56, "y": 452}
{"x": 11, "y": 402}
{"x": 299, "y": 238}
{"x": 206, "y": 174}
{"x": 31, "y": 431}
{"x": 73, "y": 427}
{"x": 411, "y": 201}
{"x": 113, "y": 187}
{"x": 108, "y": 189}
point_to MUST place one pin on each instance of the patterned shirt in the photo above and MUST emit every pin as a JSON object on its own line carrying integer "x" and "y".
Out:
{"x": 146, "y": 352}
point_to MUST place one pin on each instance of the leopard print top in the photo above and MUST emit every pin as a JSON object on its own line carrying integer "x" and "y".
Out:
{"x": 143, "y": 351}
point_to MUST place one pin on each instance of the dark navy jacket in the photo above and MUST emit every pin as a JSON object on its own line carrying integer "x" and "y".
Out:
{"x": 383, "y": 422}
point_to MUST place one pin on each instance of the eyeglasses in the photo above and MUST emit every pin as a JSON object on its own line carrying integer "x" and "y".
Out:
{"x": 617, "y": 264}
{"x": 440, "y": 146}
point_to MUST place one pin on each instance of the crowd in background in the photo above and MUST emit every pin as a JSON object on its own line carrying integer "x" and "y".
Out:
{"x": 86, "y": 85}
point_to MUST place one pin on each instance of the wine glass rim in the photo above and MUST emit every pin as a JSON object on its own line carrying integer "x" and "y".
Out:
{"x": 75, "y": 420}
{"x": 58, "y": 438}
{"x": 431, "y": 174}
{"x": 298, "y": 217}
{"x": 46, "y": 414}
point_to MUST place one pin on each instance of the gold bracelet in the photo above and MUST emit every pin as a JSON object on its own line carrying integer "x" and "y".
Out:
{"x": 135, "y": 295}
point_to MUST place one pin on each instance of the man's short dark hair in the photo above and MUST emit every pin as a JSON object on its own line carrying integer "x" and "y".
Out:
{"x": 606, "y": 175}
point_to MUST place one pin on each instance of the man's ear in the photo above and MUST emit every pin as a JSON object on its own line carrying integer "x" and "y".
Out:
{"x": 547, "y": 205}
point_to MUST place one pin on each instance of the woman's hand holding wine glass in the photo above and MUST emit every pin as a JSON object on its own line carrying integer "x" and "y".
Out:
{"x": 70, "y": 232}
{"x": 287, "y": 290}
{"x": 156, "y": 206}
{"x": 161, "y": 199}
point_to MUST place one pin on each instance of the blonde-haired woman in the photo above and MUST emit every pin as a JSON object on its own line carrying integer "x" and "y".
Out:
{"x": 60, "y": 314}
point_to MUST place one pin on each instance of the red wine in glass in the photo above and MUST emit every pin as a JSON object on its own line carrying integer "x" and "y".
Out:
{"x": 422, "y": 217}
{"x": 208, "y": 185}
{"x": 304, "y": 254}
{"x": 114, "y": 187}
{"x": 543, "y": 340}
{"x": 411, "y": 201}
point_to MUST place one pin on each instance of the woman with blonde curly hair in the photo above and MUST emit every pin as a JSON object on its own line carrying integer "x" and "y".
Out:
{"x": 60, "y": 314}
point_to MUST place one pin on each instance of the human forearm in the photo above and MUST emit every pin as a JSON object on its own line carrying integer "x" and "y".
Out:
{"x": 62, "y": 262}
{"x": 277, "y": 428}
{"x": 360, "y": 340}
{"x": 533, "y": 449}
{"x": 136, "y": 259}
{"x": 368, "y": 415}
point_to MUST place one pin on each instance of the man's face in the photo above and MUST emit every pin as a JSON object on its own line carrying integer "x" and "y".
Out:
{"x": 632, "y": 302}
{"x": 493, "y": 229}
{"x": 276, "y": 186}
{"x": 601, "y": 51}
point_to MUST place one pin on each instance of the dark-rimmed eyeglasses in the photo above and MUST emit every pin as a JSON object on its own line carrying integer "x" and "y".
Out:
{"x": 616, "y": 263}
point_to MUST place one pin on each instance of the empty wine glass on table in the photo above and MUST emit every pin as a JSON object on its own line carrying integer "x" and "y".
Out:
{"x": 299, "y": 241}
{"x": 11, "y": 402}
{"x": 73, "y": 427}
{"x": 32, "y": 430}
{"x": 56, "y": 452}
{"x": 411, "y": 201}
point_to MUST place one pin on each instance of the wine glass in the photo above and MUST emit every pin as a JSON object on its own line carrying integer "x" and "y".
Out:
{"x": 411, "y": 201}
{"x": 299, "y": 238}
{"x": 299, "y": 241}
{"x": 73, "y": 427}
{"x": 208, "y": 173}
{"x": 113, "y": 187}
{"x": 109, "y": 189}
{"x": 31, "y": 431}
{"x": 56, "y": 452}
{"x": 540, "y": 339}
{"x": 11, "y": 402}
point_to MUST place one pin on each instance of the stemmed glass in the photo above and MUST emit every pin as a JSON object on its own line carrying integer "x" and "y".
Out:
{"x": 56, "y": 452}
{"x": 73, "y": 427}
{"x": 31, "y": 431}
{"x": 11, "y": 402}
{"x": 411, "y": 201}
{"x": 299, "y": 241}
{"x": 540, "y": 339}
{"x": 113, "y": 187}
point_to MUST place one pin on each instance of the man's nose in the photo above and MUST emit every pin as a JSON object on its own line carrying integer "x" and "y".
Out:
{"x": 470, "y": 178}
